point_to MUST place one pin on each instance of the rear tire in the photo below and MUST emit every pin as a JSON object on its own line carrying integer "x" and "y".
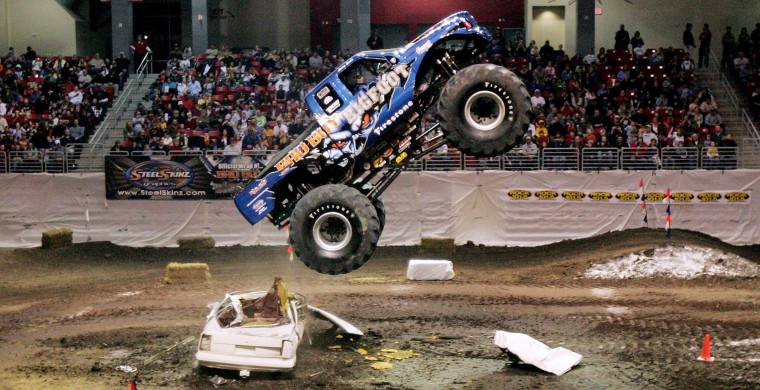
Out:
{"x": 334, "y": 229}
{"x": 483, "y": 110}
{"x": 380, "y": 210}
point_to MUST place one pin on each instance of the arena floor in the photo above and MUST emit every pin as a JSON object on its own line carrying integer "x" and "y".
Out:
{"x": 69, "y": 317}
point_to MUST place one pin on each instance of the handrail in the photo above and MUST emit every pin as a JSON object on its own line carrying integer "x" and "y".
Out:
{"x": 145, "y": 65}
{"x": 725, "y": 83}
{"x": 750, "y": 126}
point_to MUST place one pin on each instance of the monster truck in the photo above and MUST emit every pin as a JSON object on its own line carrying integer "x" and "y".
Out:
{"x": 326, "y": 184}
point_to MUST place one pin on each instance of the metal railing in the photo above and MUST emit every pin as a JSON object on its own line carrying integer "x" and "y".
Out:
{"x": 600, "y": 159}
{"x": 519, "y": 159}
{"x": 560, "y": 159}
{"x": 640, "y": 159}
{"x": 80, "y": 158}
{"x": 680, "y": 158}
{"x": 27, "y": 161}
{"x": 749, "y": 154}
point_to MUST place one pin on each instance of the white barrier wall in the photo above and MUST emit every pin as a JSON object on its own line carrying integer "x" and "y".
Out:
{"x": 491, "y": 208}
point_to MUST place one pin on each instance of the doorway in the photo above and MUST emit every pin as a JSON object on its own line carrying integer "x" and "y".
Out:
{"x": 548, "y": 24}
{"x": 162, "y": 23}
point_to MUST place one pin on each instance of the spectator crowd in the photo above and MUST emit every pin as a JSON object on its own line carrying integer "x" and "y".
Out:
{"x": 220, "y": 100}
{"x": 626, "y": 97}
{"x": 49, "y": 103}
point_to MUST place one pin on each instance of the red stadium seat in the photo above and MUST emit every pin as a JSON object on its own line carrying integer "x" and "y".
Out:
{"x": 214, "y": 133}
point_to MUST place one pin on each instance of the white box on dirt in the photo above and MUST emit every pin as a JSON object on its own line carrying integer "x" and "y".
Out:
{"x": 430, "y": 270}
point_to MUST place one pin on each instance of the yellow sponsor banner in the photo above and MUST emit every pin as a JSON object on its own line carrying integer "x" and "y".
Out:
{"x": 654, "y": 197}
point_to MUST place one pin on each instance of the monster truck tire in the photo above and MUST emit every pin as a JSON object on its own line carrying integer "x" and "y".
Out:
{"x": 334, "y": 229}
{"x": 483, "y": 110}
{"x": 380, "y": 210}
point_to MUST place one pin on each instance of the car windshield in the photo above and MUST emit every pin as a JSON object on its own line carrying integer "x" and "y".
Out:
{"x": 362, "y": 72}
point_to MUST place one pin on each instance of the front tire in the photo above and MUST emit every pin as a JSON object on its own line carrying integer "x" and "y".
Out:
{"x": 334, "y": 229}
{"x": 483, "y": 110}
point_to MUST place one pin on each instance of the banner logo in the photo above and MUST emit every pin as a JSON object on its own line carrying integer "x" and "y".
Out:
{"x": 573, "y": 195}
{"x": 600, "y": 196}
{"x": 519, "y": 194}
{"x": 709, "y": 196}
{"x": 682, "y": 196}
{"x": 736, "y": 196}
{"x": 627, "y": 196}
{"x": 159, "y": 175}
{"x": 547, "y": 195}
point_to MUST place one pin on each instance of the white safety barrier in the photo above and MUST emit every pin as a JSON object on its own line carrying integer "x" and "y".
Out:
{"x": 526, "y": 208}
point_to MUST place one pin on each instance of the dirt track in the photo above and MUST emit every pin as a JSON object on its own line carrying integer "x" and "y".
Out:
{"x": 65, "y": 321}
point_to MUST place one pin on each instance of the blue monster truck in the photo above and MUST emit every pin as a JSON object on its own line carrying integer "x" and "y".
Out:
{"x": 327, "y": 183}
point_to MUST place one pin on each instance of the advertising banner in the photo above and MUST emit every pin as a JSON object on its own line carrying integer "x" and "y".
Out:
{"x": 179, "y": 177}
{"x": 584, "y": 195}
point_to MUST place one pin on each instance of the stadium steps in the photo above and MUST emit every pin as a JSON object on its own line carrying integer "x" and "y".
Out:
{"x": 710, "y": 78}
{"x": 116, "y": 123}
{"x": 112, "y": 128}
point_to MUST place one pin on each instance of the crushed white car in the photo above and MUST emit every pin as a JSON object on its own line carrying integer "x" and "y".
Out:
{"x": 258, "y": 331}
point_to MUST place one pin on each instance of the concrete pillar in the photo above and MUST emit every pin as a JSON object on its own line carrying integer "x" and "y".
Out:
{"x": 354, "y": 24}
{"x": 586, "y": 27}
{"x": 199, "y": 20}
{"x": 122, "y": 30}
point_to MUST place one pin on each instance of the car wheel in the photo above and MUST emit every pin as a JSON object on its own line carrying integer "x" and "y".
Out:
{"x": 483, "y": 110}
{"x": 334, "y": 229}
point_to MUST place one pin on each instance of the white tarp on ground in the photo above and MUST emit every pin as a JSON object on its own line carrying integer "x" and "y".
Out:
{"x": 531, "y": 351}
{"x": 467, "y": 206}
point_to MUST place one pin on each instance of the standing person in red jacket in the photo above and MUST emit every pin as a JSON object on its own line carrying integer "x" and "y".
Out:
{"x": 140, "y": 49}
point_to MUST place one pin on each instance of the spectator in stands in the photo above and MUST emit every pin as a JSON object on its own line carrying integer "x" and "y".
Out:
{"x": 704, "y": 46}
{"x": 590, "y": 58}
{"x": 375, "y": 41}
{"x": 30, "y": 55}
{"x": 637, "y": 41}
{"x": 494, "y": 49}
{"x": 76, "y": 96}
{"x": 537, "y": 100}
{"x": 688, "y": 39}
{"x": 96, "y": 62}
{"x": 140, "y": 49}
{"x": 315, "y": 61}
{"x": 622, "y": 39}
{"x": 729, "y": 44}
{"x": 546, "y": 51}
{"x": 713, "y": 118}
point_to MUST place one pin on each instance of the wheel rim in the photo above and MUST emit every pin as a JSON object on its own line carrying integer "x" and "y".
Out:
{"x": 332, "y": 231}
{"x": 484, "y": 110}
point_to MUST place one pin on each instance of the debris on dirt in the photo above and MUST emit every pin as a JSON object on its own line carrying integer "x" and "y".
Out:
{"x": 531, "y": 351}
{"x": 335, "y": 347}
{"x": 343, "y": 324}
{"x": 126, "y": 369}
{"x": 397, "y": 354}
{"x": 381, "y": 365}
{"x": 217, "y": 380}
{"x": 685, "y": 262}
{"x": 129, "y": 294}
{"x": 96, "y": 367}
{"x": 362, "y": 351}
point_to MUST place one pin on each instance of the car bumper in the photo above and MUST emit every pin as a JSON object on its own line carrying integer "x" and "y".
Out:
{"x": 251, "y": 363}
